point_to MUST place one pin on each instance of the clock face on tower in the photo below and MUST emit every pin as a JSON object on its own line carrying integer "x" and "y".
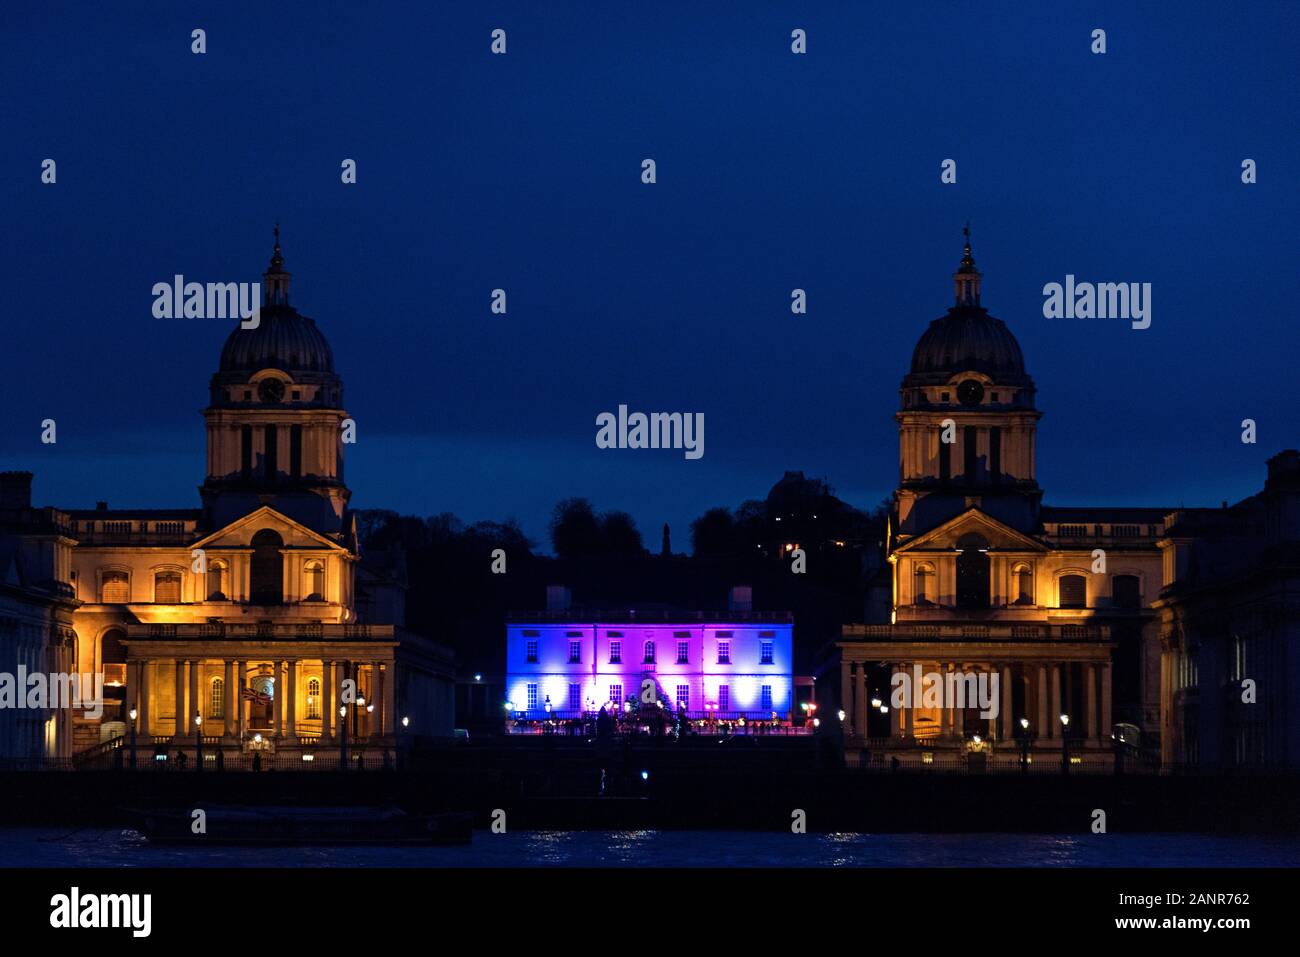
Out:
{"x": 970, "y": 392}
{"x": 270, "y": 390}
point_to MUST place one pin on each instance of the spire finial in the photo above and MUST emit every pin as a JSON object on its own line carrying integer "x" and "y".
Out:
{"x": 276, "y": 277}
{"x": 967, "y": 277}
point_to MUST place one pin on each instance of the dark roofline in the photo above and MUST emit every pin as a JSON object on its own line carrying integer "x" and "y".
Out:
{"x": 1070, "y": 513}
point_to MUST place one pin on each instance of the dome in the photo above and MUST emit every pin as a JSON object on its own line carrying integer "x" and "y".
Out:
{"x": 968, "y": 339}
{"x": 284, "y": 339}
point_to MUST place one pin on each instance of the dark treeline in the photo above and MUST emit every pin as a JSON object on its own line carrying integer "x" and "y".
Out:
{"x": 456, "y": 598}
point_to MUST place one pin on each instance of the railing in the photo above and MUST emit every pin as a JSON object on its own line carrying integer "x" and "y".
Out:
{"x": 994, "y": 631}
{"x": 262, "y": 629}
{"x": 632, "y": 615}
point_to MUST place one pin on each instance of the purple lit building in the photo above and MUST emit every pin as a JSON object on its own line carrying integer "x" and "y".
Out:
{"x": 729, "y": 664}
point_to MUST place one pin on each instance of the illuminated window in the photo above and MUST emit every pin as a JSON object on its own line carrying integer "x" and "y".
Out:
{"x": 765, "y": 652}
{"x": 923, "y": 585}
{"x": 313, "y": 698}
{"x": 314, "y": 575}
{"x": 1024, "y": 583}
{"x": 116, "y": 588}
{"x": 616, "y": 694}
{"x": 684, "y": 697}
{"x": 615, "y": 653}
{"x": 575, "y": 697}
{"x": 167, "y": 588}
{"x": 683, "y": 652}
{"x": 649, "y": 652}
{"x": 530, "y": 652}
{"x": 724, "y": 652}
{"x": 217, "y": 699}
{"x": 532, "y": 697}
{"x": 1073, "y": 591}
{"x": 575, "y": 652}
{"x": 217, "y": 581}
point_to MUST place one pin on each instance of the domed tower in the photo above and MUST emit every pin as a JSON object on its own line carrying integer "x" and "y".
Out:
{"x": 967, "y": 419}
{"x": 274, "y": 418}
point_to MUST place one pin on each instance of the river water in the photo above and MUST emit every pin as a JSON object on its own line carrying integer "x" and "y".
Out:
{"x": 115, "y": 847}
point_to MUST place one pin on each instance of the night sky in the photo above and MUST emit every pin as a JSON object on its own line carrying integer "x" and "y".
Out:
{"x": 775, "y": 171}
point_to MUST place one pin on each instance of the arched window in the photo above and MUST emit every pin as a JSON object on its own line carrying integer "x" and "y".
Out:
{"x": 266, "y": 578}
{"x": 1073, "y": 591}
{"x": 1023, "y": 580}
{"x": 1126, "y": 591}
{"x": 116, "y": 588}
{"x": 972, "y": 571}
{"x": 167, "y": 588}
{"x": 314, "y": 574}
{"x": 923, "y": 584}
{"x": 649, "y": 652}
{"x": 217, "y": 699}
{"x": 217, "y": 581}
{"x": 313, "y": 699}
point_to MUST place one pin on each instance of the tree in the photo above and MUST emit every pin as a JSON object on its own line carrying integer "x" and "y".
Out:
{"x": 714, "y": 533}
{"x": 575, "y": 530}
{"x": 619, "y": 534}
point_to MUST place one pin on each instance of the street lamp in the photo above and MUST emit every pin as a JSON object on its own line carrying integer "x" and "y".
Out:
{"x": 134, "y": 714}
{"x": 1065, "y": 743}
{"x": 343, "y": 737}
{"x": 1024, "y": 745}
{"x": 198, "y": 741}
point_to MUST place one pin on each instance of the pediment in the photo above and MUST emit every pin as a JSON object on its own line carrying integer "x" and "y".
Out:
{"x": 239, "y": 533}
{"x": 1001, "y": 537}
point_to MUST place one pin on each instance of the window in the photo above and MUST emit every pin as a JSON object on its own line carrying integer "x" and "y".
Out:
{"x": 575, "y": 652}
{"x": 765, "y": 699}
{"x": 724, "y": 698}
{"x": 616, "y": 696}
{"x": 315, "y": 580}
{"x": 1074, "y": 591}
{"x": 167, "y": 588}
{"x": 575, "y": 697}
{"x": 532, "y": 697}
{"x": 217, "y": 699}
{"x": 649, "y": 652}
{"x": 530, "y": 652}
{"x": 683, "y": 697}
{"x": 615, "y": 653}
{"x": 1024, "y": 584}
{"x": 217, "y": 581}
{"x": 266, "y": 575}
{"x": 923, "y": 585}
{"x": 724, "y": 652}
{"x": 683, "y": 652}
{"x": 764, "y": 652}
{"x": 313, "y": 699}
{"x": 117, "y": 588}
{"x": 1126, "y": 591}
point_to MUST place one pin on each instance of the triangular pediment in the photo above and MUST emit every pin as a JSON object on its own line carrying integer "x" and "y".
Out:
{"x": 239, "y": 533}
{"x": 1000, "y": 536}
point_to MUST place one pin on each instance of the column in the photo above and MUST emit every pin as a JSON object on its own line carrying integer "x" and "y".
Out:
{"x": 1054, "y": 702}
{"x": 909, "y": 716}
{"x": 388, "y": 720}
{"x": 945, "y": 715}
{"x": 231, "y": 698}
{"x": 180, "y": 697}
{"x": 1106, "y": 721}
{"x": 327, "y": 699}
{"x": 278, "y": 708}
{"x": 195, "y": 705}
{"x": 846, "y": 689}
{"x": 146, "y": 667}
{"x": 1090, "y": 680}
{"x": 291, "y": 698}
{"x": 860, "y": 701}
{"x": 895, "y": 728}
{"x": 1008, "y": 731}
{"x": 1044, "y": 730}
{"x": 241, "y": 669}
{"x": 132, "y": 690}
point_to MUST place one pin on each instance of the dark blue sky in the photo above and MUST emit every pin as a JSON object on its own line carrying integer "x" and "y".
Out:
{"x": 775, "y": 171}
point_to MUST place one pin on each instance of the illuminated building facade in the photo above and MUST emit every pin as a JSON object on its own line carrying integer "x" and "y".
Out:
{"x": 238, "y": 623}
{"x": 984, "y": 579}
{"x": 576, "y": 661}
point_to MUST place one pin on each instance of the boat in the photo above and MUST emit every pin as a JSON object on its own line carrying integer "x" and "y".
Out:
{"x": 273, "y": 825}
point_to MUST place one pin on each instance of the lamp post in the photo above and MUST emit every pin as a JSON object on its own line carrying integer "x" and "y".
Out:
{"x": 134, "y": 714}
{"x": 198, "y": 741}
{"x": 1065, "y": 743}
{"x": 1024, "y": 745}
{"x": 343, "y": 737}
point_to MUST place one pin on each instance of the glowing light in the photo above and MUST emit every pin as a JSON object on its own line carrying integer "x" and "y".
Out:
{"x": 1024, "y": 723}
{"x": 1065, "y": 720}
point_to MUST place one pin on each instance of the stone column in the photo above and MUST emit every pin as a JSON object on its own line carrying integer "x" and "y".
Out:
{"x": 945, "y": 714}
{"x": 278, "y": 685}
{"x": 132, "y": 690}
{"x": 388, "y": 720}
{"x": 1044, "y": 730}
{"x": 1008, "y": 719}
{"x": 1054, "y": 702}
{"x": 146, "y": 667}
{"x": 195, "y": 702}
{"x": 895, "y": 728}
{"x": 1090, "y": 693}
{"x": 327, "y": 704}
{"x": 1107, "y": 725}
{"x": 180, "y": 697}
{"x": 291, "y": 699}
{"x": 860, "y": 701}
{"x": 909, "y": 716}
{"x": 241, "y": 668}
{"x": 846, "y": 689}
{"x": 231, "y": 698}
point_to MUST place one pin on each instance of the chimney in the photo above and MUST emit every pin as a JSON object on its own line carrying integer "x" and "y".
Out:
{"x": 558, "y": 598}
{"x": 15, "y": 489}
{"x": 741, "y": 598}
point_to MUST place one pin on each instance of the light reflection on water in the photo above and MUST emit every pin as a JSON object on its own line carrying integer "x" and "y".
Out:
{"x": 112, "y": 847}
